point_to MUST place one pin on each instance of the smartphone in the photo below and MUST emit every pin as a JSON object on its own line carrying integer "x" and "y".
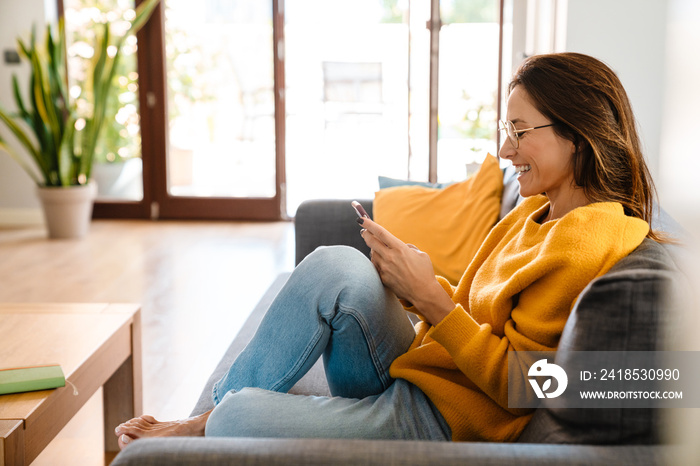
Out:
{"x": 361, "y": 212}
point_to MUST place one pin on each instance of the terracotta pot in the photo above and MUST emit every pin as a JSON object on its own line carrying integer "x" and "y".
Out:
{"x": 68, "y": 210}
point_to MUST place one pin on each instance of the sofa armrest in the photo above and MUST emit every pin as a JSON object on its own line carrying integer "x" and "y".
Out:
{"x": 328, "y": 222}
{"x": 203, "y": 451}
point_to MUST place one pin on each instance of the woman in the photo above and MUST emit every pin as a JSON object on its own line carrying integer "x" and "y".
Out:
{"x": 571, "y": 135}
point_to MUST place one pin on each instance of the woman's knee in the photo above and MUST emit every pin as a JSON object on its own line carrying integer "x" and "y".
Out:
{"x": 343, "y": 278}
{"x": 332, "y": 256}
{"x": 339, "y": 264}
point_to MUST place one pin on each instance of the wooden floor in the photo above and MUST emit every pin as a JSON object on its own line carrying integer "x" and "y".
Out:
{"x": 197, "y": 282}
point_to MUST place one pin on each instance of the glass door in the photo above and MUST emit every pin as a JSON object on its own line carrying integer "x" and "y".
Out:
{"x": 197, "y": 115}
{"x": 468, "y": 86}
{"x": 222, "y": 149}
{"x": 347, "y": 96}
{"x": 398, "y": 88}
{"x": 221, "y": 107}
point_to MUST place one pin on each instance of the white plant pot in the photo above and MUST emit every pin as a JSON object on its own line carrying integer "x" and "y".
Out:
{"x": 119, "y": 180}
{"x": 68, "y": 210}
{"x": 106, "y": 176}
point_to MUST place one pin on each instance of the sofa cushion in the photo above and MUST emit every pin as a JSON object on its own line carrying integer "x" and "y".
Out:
{"x": 628, "y": 309}
{"x": 328, "y": 222}
{"x": 449, "y": 224}
{"x": 216, "y": 451}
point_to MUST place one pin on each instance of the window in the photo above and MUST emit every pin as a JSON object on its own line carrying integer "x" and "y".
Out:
{"x": 267, "y": 104}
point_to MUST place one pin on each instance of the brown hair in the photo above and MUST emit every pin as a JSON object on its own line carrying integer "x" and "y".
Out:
{"x": 586, "y": 102}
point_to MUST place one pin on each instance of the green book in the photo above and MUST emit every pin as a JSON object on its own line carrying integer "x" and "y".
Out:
{"x": 28, "y": 379}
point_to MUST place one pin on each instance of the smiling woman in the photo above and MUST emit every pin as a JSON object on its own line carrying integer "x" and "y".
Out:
{"x": 446, "y": 378}
{"x": 592, "y": 122}
{"x": 542, "y": 159}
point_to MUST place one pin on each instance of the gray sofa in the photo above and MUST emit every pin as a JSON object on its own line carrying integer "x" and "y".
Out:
{"x": 620, "y": 311}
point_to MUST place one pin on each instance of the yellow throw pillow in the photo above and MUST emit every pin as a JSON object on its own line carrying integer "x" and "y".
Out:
{"x": 449, "y": 224}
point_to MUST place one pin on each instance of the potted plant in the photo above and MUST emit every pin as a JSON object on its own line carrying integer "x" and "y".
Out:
{"x": 59, "y": 137}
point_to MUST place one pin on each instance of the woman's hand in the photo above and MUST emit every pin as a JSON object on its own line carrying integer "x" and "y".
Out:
{"x": 407, "y": 271}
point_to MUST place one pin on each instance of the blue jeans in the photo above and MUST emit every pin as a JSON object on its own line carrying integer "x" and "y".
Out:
{"x": 334, "y": 305}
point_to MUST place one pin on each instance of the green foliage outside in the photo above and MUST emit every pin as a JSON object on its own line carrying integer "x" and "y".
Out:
{"x": 59, "y": 125}
{"x": 121, "y": 136}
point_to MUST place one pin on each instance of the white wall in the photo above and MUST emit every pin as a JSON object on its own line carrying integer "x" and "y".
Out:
{"x": 680, "y": 168}
{"x": 680, "y": 146}
{"x": 630, "y": 36}
{"x": 17, "y": 199}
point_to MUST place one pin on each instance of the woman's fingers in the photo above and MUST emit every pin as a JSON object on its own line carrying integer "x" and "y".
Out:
{"x": 382, "y": 234}
{"x": 376, "y": 246}
{"x": 388, "y": 254}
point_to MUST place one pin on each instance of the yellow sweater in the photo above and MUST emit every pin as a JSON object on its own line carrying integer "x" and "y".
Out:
{"x": 515, "y": 295}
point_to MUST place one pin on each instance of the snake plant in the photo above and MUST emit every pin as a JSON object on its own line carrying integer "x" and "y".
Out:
{"x": 59, "y": 140}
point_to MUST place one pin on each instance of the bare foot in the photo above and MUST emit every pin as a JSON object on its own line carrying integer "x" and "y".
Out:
{"x": 147, "y": 426}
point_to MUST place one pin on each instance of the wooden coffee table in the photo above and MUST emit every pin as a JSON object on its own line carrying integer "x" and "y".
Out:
{"x": 97, "y": 345}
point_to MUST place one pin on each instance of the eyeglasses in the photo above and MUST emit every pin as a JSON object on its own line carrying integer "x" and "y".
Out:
{"x": 514, "y": 134}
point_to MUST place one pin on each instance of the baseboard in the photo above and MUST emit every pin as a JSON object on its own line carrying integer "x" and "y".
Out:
{"x": 20, "y": 217}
